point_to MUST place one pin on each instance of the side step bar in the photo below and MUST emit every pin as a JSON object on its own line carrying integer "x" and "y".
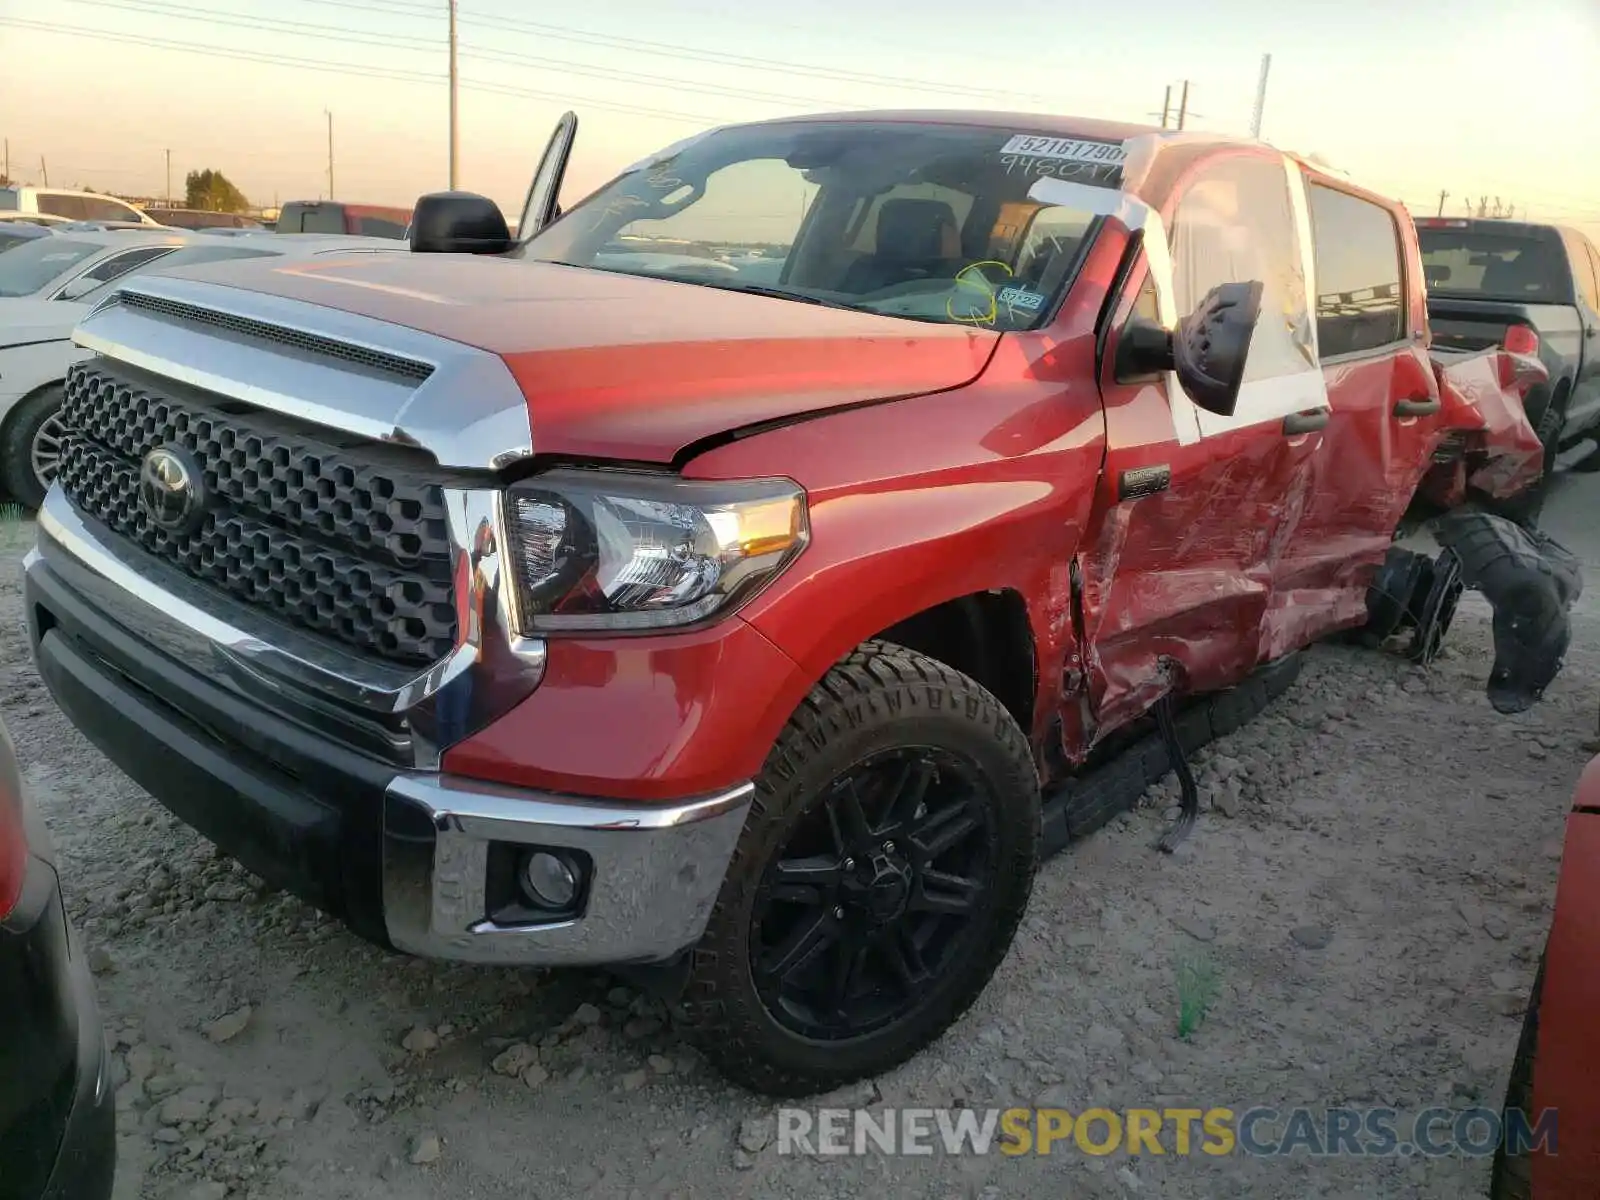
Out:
{"x": 1086, "y": 802}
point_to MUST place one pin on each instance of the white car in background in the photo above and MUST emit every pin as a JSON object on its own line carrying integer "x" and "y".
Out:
{"x": 49, "y": 284}
{"x": 71, "y": 205}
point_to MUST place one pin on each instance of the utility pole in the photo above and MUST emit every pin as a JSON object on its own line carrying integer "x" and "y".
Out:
{"x": 454, "y": 146}
{"x": 1166, "y": 107}
{"x": 44, "y": 171}
{"x": 169, "y": 178}
{"x": 1183, "y": 104}
{"x": 1443, "y": 196}
{"x": 329, "y": 115}
{"x": 1261, "y": 97}
{"x": 8, "y": 158}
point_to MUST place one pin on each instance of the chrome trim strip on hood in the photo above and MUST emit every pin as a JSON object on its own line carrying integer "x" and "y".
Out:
{"x": 468, "y": 413}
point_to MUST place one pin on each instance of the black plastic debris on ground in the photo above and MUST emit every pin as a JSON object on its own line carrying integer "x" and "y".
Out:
{"x": 1531, "y": 582}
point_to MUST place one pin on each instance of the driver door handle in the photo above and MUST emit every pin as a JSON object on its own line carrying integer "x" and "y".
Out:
{"x": 1417, "y": 406}
{"x": 1304, "y": 422}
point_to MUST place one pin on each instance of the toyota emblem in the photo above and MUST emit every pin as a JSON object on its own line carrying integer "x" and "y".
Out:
{"x": 171, "y": 491}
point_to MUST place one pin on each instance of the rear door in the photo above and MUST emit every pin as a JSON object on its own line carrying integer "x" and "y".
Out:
{"x": 1383, "y": 399}
{"x": 1178, "y": 562}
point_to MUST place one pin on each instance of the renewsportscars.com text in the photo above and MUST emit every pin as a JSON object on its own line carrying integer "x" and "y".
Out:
{"x": 1260, "y": 1131}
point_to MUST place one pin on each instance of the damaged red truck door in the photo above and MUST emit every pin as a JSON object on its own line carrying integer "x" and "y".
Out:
{"x": 1179, "y": 565}
{"x": 1371, "y": 327}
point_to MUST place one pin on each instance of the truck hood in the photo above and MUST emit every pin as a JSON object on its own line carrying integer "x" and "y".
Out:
{"x": 623, "y": 367}
{"x": 24, "y": 322}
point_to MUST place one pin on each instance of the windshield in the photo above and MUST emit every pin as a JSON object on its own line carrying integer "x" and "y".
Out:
{"x": 15, "y": 233}
{"x": 31, "y": 268}
{"x": 929, "y": 222}
{"x": 1494, "y": 266}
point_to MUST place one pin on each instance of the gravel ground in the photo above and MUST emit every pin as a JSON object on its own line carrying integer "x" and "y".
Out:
{"x": 1370, "y": 887}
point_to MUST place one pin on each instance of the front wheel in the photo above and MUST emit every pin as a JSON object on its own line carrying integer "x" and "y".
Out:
{"x": 888, "y": 856}
{"x": 30, "y": 451}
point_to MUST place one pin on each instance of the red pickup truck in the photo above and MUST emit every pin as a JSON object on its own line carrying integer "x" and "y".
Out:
{"x": 745, "y": 575}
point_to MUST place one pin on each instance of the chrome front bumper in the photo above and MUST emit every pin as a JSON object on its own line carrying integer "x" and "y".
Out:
{"x": 202, "y": 706}
{"x": 655, "y": 875}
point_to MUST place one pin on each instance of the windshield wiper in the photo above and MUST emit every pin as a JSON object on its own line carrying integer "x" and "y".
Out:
{"x": 759, "y": 289}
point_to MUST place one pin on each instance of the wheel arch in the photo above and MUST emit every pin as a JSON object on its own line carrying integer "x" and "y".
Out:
{"x": 8, "y": 429}
{"x": 984, "y": 635}
{"x": 8, "y": 419}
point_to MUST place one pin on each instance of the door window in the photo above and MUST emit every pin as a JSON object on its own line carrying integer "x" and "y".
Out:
{"x": 312, "y": 218}
{"x": 1236, "y": 223}
{"x": 1360, "y": 300}
{"x": 119, "y": 264}
{"x": 378, "y": 227}
{"x": 57, "y": 205}
{"x": 100, "y": 208}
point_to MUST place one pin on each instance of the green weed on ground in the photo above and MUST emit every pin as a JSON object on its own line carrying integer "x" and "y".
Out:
{"x": 1198, "y": 980}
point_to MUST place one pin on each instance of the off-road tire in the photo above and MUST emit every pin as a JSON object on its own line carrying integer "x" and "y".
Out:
{"x": 17, "y": 476}
{"x": 880, "y": 697}
{"x": 1512, "y": 1176}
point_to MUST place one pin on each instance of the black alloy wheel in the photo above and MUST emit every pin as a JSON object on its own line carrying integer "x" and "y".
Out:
{"x": 886, "y": 860}
{"x": 875, "y": 894}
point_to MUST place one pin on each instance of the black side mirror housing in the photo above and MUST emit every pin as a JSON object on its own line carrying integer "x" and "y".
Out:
{"x": 458, "y": 223}
{"x": 1208, "y": 350}
{"x": 1212, "y": 343}
{"x": 1145, "y": 348}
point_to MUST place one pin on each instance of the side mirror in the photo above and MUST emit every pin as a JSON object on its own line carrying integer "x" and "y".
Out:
{"x": 1212, "y": 343}
{"x": 458, "y": 223}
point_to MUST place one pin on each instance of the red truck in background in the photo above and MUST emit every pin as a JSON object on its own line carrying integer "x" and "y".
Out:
{"x": 756, "y": 618}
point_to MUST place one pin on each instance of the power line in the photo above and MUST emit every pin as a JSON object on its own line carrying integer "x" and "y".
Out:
{"x": 332, "y": 33}
{"x": 569, "y": 68}
{"x": 362, "y": 69}
{"x": 358, "y": 69}
{"x": 582, "y": 37}
{"x": 185, "y": 12}
{"x": 672, "y": 50}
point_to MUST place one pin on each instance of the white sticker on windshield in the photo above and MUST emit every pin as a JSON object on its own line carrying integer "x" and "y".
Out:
{"x": 1071, "y": 149}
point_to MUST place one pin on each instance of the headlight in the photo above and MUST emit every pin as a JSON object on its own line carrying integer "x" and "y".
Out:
{"x": 612, "y": 550}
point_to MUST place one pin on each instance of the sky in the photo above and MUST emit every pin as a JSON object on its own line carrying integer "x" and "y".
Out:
{"x": 1474, "y": 98}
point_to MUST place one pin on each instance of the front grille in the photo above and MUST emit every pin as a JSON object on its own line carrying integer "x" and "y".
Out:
{"x": 332, "y": 538}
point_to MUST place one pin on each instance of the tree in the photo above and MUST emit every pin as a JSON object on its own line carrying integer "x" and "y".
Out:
{"x": 213, "y": 190}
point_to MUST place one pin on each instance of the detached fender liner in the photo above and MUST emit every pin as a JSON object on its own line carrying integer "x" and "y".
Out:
{"x": 303, "y": 813}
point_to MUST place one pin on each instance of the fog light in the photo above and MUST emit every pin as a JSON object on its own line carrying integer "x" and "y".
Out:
{"x": 549, "y": 880}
